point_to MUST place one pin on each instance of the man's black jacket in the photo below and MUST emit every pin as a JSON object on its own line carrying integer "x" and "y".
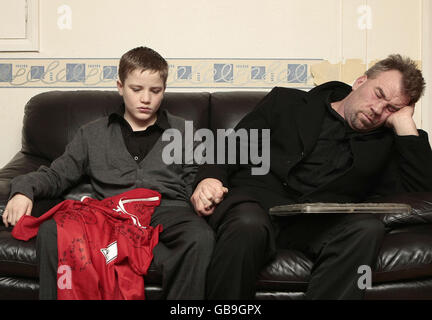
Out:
{"x": 383, "y": 163}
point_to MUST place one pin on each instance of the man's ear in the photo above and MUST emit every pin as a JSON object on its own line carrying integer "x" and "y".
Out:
{"x": 359, "y": 81}
{"x": 120, "y": 87}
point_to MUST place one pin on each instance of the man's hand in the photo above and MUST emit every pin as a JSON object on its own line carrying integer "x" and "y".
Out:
{"x": 208, "y": 193}
{"x": 402, "y": 122}
{"x": 17, "y": 206}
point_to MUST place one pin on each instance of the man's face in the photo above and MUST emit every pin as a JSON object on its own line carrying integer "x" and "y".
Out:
{"x": 142, "y": 93}
{"x": 372, "y": 101}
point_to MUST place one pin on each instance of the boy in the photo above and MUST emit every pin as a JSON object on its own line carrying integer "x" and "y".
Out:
{"x": 118, "y": 153}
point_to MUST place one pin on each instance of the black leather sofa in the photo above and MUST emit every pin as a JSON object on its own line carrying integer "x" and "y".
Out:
{"x": 403, "y": 269}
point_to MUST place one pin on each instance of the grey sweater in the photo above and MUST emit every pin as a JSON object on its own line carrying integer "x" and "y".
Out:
{"x": 99, "y": 152}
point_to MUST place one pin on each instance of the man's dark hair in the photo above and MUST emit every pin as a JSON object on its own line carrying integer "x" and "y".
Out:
{"x": 413, "y": 83}
{"x": 142, "y": 58}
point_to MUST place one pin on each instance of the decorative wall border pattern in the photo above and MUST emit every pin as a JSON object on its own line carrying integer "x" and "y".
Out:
{"x": 183, "y": 73}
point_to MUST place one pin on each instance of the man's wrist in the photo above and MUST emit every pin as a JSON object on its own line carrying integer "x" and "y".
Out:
{"x": 405, "y": 127}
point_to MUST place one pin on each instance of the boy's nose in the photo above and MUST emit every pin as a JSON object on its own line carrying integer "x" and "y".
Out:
{"x": 145, "y": 98}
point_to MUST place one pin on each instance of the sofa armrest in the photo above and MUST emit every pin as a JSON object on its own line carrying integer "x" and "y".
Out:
{"x": 40, "y": 206}
{"x": 21, "y": 163}
{"x": 421, "y": 213}
{"x": 4, "y": 191}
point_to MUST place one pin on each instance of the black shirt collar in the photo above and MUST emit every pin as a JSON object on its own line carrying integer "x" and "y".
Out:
{"x": 334, "y": 96}
{"x": 118, "y": 116}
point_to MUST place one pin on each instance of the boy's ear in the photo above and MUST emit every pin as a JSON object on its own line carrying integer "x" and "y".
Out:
{"x": 120, "y": 87}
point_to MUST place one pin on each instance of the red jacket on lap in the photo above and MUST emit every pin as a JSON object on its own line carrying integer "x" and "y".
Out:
{"x": 104, "y": 247}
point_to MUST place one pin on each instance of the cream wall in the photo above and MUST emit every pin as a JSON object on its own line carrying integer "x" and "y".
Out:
{"x": 336, "y": 38}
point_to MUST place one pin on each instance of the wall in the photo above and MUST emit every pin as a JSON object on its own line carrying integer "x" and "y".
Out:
{"x": 210, "y": 45}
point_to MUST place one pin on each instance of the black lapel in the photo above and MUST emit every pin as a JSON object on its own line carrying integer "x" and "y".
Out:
{"x": 309, "y": 117}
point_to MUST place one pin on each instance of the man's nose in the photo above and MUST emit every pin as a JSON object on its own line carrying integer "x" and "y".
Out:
{"x": 378, "y": 108}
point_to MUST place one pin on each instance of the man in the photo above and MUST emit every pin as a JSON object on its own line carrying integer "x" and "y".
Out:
{"x": 331, "y": 144}
{"x": 122, "y": 152}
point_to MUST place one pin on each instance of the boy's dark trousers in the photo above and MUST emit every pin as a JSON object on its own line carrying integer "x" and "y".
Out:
{"x": 183, "y": 253}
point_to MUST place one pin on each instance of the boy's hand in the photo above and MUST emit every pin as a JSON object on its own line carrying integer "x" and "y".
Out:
{"x": 17, "y": 206}
{"x": 402, "y": 122}
{"x": 208, "y": 193}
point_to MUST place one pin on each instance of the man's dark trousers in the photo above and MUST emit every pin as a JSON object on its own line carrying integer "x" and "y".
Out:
{"x": 338, "y": 244}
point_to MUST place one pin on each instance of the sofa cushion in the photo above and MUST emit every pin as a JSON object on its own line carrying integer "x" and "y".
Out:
{"x": 228, "y": 108}
{"x": 17, "y": 258}
{"x": 419, "y": 289}
{"x": 51, "y": 119}
{"x": 421, "y": 213}
{"x": 289, "y": 270}
{"x": 406, "y": 253}
{"x": 12, "y": 288}
{"x": 190, "y": 106}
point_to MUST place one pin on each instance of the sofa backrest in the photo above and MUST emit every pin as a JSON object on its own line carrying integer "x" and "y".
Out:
{"x": 228, "y": 108}
{"x": 51, "y": 119}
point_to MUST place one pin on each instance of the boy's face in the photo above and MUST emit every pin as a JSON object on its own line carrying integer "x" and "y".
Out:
{"x": 142, "y": 93}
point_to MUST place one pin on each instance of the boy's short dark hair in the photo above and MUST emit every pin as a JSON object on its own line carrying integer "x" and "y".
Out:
{"x": 142, "y": 58}
{"x": 413, "y": 83}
